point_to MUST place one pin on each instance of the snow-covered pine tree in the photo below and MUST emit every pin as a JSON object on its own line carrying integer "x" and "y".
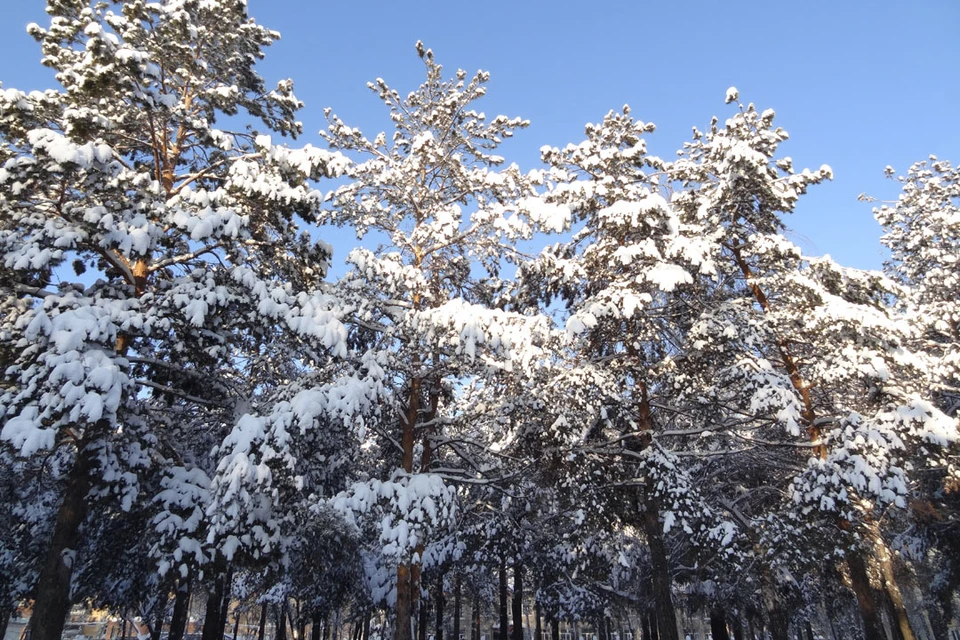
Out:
{"x": 922, "y": 231}
{"x": 436, "y": 197}
{"x": 809, "y": 344}
{"x": 631, "y": 280}
{"x": 187, "y": 234}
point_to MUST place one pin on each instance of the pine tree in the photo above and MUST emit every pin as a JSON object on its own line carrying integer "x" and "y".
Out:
{"x": 434, "y": 194}
{"x": 813, "y": 345}
{"x": 183, "y": 229}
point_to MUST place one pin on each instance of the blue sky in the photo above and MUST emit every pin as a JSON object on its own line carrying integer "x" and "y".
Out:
{"x": 859, "y": 85}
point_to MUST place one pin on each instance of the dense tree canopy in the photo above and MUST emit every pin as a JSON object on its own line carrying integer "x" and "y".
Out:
{"x": 613, "y": 378}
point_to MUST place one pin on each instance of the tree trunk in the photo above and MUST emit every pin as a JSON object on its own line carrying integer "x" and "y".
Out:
{"x": 123, "y": 628}
{"x": 517, "y": 601}
{"x": 280, "y": 615}
{"x": 236, "y": 626}
{"x": 212, "y": 620}
{"x": 366, "y": 625}
{"x": 860, "y": 580}
{"x": 262, "y": 631}
{"x": 404, "y": 629}
{"x": 5, "y": 613}
{"x": 666, "y": 615}
{"x": 652, "y": 625}
{"x": 538, "y": 628}
{"x": 504, "y": 622}
{"x": 554, "y": 629}
{"x": 776, "y": 618}
{"x": 457, "y": 606}
{"x": 406, "y": 580}
{"x": 181, "y": 607}
{"x": 475, "y": 627}
{"x": 737, "y": 625}
{"x": 439, "y": 601}
{"x": 158, "y": 621}
{"x": 718, "y": 624}
{"x": 225, "y": 604}
{"x": 52, "y": 604}
{"x": 423, "y": 621}
{"x": 808, "y": 629}
{"x": 898, "y": 613}
{"x": 315, "y": 627}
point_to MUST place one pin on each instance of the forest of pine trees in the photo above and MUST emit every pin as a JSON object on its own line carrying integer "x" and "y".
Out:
{"x": 664, "y": 412}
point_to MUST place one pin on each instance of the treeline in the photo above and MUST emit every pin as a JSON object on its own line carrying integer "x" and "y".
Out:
{"x": 670, "y": 407}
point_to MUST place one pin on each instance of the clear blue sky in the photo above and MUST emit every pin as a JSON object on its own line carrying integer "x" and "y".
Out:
{"x": 859, "y": 85}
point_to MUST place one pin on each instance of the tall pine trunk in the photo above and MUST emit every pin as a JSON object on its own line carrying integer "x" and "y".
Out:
{"x": 52, "y": 604}
{"x": 737, "y": 625}
{"x": 212, "y": 619}
{"x": 280, "y": 616}
{"x": 407, "y": 583}
{"x": 517, "y": 601}
{"x": 5, "y": 613}
{"x": 404, "y": 630}
{"x": 181, "y": 607}
{"x": 666, "y": 617}
{"x": 504, "y": 622}
{"x": 775, "y": 616}
{"x": 860, "y": 581}
{"x": 158, "y": 620}
{"x": 262, "y": 630}
{"x": 457, "y": 606}
{"x": 225, "y": 604}
{"x": 423, "y": 622}
{"x": 475, "y": 626}
{"x": 901, "y": 622}
{"x": 236, "y": 625}
{"x": 718, "y": 624}
{"x": 439, "y": 602}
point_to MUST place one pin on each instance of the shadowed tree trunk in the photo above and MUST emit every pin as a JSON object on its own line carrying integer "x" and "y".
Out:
{"x": 517, "y": 601}
{"x": 181, "y": 606}
{"x": 439, "y": 603}
{"x": 718, "y": 624}
{"x": 158, "y": 620}
{"x": 262, "y": 630}
{"x": 538, "y": 629}
{"x": 423, "y": 622}
{"x": 280, "y": 615}
{"x": 457, "y": 606}
{"x": 775, "y": 617}
{"x": 212, "y": 620}
{"x": 654, "y": 632}
{"x": 554, "y": 629}
{"x": 404, "y": 630}
{"x": 225, "y": 604}
{"x": 737, "y": 625}
{"x": 902, "y": 628}
{"x": 475, "y": 627}
{"x": 52, "y": 603}
{"x": 504, "y": 622}
{"x": 666, "y": 617}
{"x": 5, "y": 613}
{"x": 860, "y": 581}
